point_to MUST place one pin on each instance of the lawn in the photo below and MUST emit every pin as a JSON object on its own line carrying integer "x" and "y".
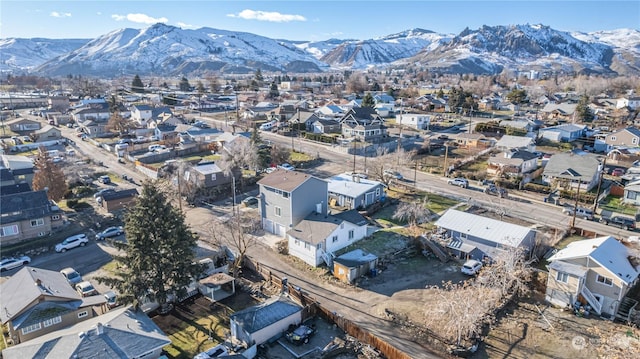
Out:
{"x": 615, "y": 204}
{"x": 380, "y": 243}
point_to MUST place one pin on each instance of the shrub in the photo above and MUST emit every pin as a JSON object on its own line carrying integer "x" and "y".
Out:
{"x": 72, "y": 203}
{"x": 534, "y": 187}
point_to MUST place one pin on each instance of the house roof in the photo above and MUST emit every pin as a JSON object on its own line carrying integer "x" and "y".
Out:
{"x": 355, "y": 258}
{"x": 632, "y": 130}
{"x": 352, "y": 216}
{"x": 22, "y": 289}
{"x": 345, "y": 185}
{"x": 509, "y": 141}
{"x": 216, "y": 279}
{"x": 285, "y": 180}
{"x": 490, "y": 229}
{"x": 262, "y": 315}
{"x": 207, "y": 168}
{"x": 606, "y": 251}
{"x": 572, "y": 165}
{"x": 120, "y": 333}
{"x": 567, "y": 127}
{"x": 14, "y": 188}
{"x": 315, "y": 228}
{"x": 125, "y": 193}
{"x": 24, "y": 205}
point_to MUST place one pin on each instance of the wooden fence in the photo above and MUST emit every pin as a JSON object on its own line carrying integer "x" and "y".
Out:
{"x": 313, "y": 308}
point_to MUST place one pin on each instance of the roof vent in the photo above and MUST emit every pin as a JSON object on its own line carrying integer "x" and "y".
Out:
{"x": 81, "y": 335}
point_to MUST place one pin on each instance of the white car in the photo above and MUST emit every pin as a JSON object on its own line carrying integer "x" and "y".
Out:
{"x": 11, "y": 263}
{"x": 86, "y": 289}
{"x": 71, "y": 275}
{"x": 471, "y": 267}
{"x": 356, "y": 174}
{"x": 79, "y": 240}
{"x": 460, "y": 182}
{"x": 286, "y": 166}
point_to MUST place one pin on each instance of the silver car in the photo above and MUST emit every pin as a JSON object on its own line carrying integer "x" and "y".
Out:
{"x": 11, "y": 263}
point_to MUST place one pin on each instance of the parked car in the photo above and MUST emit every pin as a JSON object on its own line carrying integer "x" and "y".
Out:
{"x": 105, "y": 179}
{"x": 618, "y": 172}
{"x": 72, "y": 276}
{"x": 460, "y": 182}
{"x": 625, "y": 223}
{"x": 112, "y": 299}
{"x": 580, "y": 212}
{"x": 102, "y": 192}
{"x": 392, "y": 174}
{"x": 78, "y": 240}
{"x": 496, "y": 191}
{"x": 109, "y": 232}
{"x": 356, "y": 174}
{"x": 250, "y": 202}
{"x": 301, "y": 334}
{"x": 86, "y": 289}
{"x": 471, "y": 267}
{"x": 12, "y": 263}
{"x": 286, "y": 166}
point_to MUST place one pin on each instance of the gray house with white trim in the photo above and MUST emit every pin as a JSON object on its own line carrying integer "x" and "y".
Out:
{"x": 354, "y": 192}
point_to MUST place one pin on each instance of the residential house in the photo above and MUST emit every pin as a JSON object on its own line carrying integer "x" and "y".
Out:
{"x": 632, "y": 193}
{"x": 630, "y": 102}
{"x": 508, "y": 142}
{"x": 330, "y": 111}
{"x": 472, "y": 140}
{"x": 21, "y": 168}
{"x": 626, "y": 137}
{"x": 512, "y": 163}
{"x": 559, "y": 111}
{"x": 22, "y": 125}
{"x": 354, "y": 192}
{"x": 207, "y": 175}
{"x": 525, "y": 125}
{"x": 318, "y": 236}
{"x": 363, "y": 124}
{"x": 414, "y": 120}
{"x": 563, "y": 133}
{"x": 58, "y": 103}
{"x": 48, "y": 133}
{"x": 595, "y": 271}
{"x": 114, "y": 201}
{"x": 120, "y": 333}
{"x": 26, "y": 215}
{"x": 141, "y": 114}
{"x": 93, "y": 128}
{"x": 166, "y": 133}
{"x": 353, "y": 265}
{"x": 268, "y": 320}
{"x": 470, "y": 236}
{"x": 61, "y": 119}
{"x": 92, "y": 113}
{"x": 287, "y": 197}
{"x": 37, "y": 301}
{"x": 305, "y": 117}
{"x": 581, "y": 170}
{"x": 325, "y": 126}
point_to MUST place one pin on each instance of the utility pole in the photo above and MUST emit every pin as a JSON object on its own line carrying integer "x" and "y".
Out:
{"x": 415, "y": 175}
{"x": 354, "y": 155}
{"x": 595, "y": 201}
{"x": 575, "y": 205}
{"x": 446, "y": 153}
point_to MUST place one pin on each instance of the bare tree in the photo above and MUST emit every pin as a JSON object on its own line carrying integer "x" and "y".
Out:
{"x": 357, "y": 83}
{"x": 460, "y": 311}
{"x": 280, "y": 154}
{"x": 238, "y": 155}
{"x": 413, "y": 213}
{"x": 509, "y": 272}
{"x": 239, "y": 233}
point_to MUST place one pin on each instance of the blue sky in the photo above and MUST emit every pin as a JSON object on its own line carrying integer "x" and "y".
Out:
{"x": 307, "y": 19}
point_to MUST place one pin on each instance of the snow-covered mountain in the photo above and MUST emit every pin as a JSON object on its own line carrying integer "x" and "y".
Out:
{"x": 166, "y": 50}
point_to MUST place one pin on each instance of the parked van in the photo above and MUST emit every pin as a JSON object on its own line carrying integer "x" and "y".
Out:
{"x": 267, "y": 126}
{"x": 584, "y": 213}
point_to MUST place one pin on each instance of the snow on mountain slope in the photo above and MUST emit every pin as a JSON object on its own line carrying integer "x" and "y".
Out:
{"x": 24, "y": 54}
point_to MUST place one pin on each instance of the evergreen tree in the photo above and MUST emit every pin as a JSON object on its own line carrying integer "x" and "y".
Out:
{"x": 273, "y": 91}
{"x": 200, "y": 88}
{"x": 440, "y": 93}
{"x": 517, "y": 96}
{"x": 256, "y": 139}
{"x": 137, "y": 85}
{"x": 583, "y": 111}
{"x": 158, "y": 259}
{"x": 49, "y": 175}
{"x": 184, "y": 84}
{"x": 368, "y": 101}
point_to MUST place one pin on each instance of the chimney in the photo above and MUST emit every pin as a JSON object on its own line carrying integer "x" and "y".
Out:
{"x": 39, "y": 282}
{"x": 99, "y": 329}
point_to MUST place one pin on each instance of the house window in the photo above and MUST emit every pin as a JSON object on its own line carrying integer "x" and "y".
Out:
{"x": 278, "y": 211}
{"x": 55, "y": 217}
{"x": 52, "y": 321}
{"x": 341, "y": 225}
{"x": 634, "y": 140}
{"x": 83, "y": 314}
{"x": 463, "y": 236}
{"x": 562, "y": 277}
{"x": 9, "y": 230}
{"x": 285, "y": 194}
{"x": 307, "y": 246}
{"x": 31, "y": 328}
{"x": 631, "y": 195}
{"x": 378, "y": 192}
{"x": 604, "y": 280}
{"x": 334, "y": 239}
{"x": 319, "y": 246}
{"x": 37, "y": 222}
{"x": 351, "y": 234}
{"x": 613, "y": 138}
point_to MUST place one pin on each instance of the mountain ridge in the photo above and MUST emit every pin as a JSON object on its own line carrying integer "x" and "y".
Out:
{"x": 170, "y": 50}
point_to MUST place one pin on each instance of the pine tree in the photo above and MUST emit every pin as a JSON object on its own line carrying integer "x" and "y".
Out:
{"x": 137, "y": 85}
{"x": 158, "y": 259}
{"x": 273, "y": 90}
{"x": 368, "y": 101}
{"x": 49, "y": 175}
{"x": 583, "y": 111}
{"x": 200, "y": 87}
{"x": 184, "y": 84}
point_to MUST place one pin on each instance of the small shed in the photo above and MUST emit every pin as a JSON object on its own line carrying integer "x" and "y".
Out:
{"x": 353, "y": 265}
{"x": 217, "y": 286}
{"x": 114, "y": 201}
{"x": 260, "y": 323}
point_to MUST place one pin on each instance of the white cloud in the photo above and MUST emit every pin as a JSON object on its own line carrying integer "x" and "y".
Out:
{"x": 266, "y": 16}
{"x": 60, "y": 14}
{"x": 139, "y": 18}
{"x": 186, "y": 26}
